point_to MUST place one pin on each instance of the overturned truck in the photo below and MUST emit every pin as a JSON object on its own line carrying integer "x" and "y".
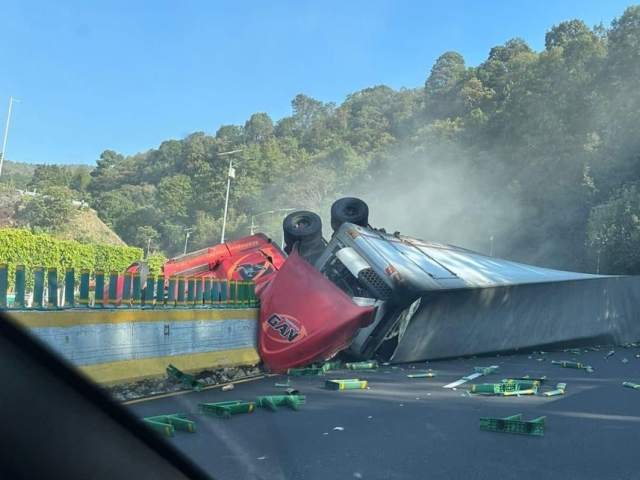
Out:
{"x": 371, "y": 293}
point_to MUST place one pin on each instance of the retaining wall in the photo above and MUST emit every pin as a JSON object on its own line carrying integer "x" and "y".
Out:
{"x": 122, "y": 346}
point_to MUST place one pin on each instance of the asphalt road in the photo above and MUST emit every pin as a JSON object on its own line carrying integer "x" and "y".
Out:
{"x": 405, "y": 428}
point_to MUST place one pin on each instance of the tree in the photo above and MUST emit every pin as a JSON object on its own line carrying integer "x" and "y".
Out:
{"x": 441, "y": 84}
{"x": 259, "y": 128}
{"x": 614, "y": 232}
{"x": 50, "y": 210}
{"x": 305, "y": 111}
{"x": 108, "y": 173}
{"x": 229, "y": 136}
{"x": 80, "y": 180}
{"x": 173, "y": 196}
{"x": 45, "y": 176}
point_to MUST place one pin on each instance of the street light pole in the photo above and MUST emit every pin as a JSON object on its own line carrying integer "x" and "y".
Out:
{"x": 253, "y": 217}
{"x": 188, "y": 230}
{"x": 6, "y": 132}
{"x": 231, "y": 174}
{"x": 253, "y": 225}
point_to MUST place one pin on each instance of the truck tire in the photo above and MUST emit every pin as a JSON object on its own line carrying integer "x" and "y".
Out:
{"x": 304, "y": 227}
{"x": 349, "y": 210}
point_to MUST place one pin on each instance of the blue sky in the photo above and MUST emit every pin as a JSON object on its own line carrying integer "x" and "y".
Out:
{"x": 126, "y": 75}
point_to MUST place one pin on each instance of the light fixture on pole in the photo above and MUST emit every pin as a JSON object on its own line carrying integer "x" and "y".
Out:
{"x": 232, "y": 174}
{"x": 186, "y": 240}
{"x": 6, "y": 131}
{"x": 253, "y": 225}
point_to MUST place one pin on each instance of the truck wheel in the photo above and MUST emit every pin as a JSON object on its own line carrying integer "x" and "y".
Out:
{"x": 350, "y": 210}
{"x": 304, "y": 227}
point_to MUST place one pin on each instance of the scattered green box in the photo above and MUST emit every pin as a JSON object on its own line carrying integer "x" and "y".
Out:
{"x": 514, "y": 424}
{"x": 350, "y": 384}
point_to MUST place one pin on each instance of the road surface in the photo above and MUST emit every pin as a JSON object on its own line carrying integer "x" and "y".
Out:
{"x": 405, "y": 428}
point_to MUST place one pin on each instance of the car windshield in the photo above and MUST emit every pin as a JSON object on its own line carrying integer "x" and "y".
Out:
{"x": 171, "y": 175}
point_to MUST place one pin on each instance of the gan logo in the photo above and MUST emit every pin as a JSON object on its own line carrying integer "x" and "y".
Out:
{"x": 283, "y": 328}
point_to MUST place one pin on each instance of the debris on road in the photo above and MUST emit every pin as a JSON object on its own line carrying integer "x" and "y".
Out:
{"x": 185, "y": 378}
{"x": 423, "y": 375}
{"x": 168, "y": 424}
{"x": 560, "y": 388}
{"x": 480, "y": 371}
{"x": 272, "y": 402}
{"x": 371, "y": 365}
{"x": 226, "y": 388}
{"x": 225, "y": 409}
{"x": 349, "y": 384}
{"x": 611, "y": 352}
{"x": 576, "y": 365}
{"x": 507, "y": 388}
{"x": 288, "y": 384}
{"x": 306, "y": 372}
{"x": 624, "y": 360}
{"x": 631, "y": 385}
{"x": 339, "y": 428}
{"x": 514, "y": 424}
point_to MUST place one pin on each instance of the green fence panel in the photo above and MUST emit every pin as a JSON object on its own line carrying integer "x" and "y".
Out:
{"x": 160, "y": 290}
{"x": 52, "y": 291}
{"x": 126, "y": 289}
{"x": 85, "y": 274}
{"x": 99, "y": 289}
{"x": 215, "y": 292}
{"x": 137, "y": 290}
{"x": 181, "y": 291}
{"x": 198, "y": 301}
{"x": 207, "y": 291}
{"x": 191, "y": 291}
{"x": 253, "y": 301}
{"x": 113, "y": 289}
{"x": 4, "y": 284}
{"x": 171, "y": 301}
{"x": 69, "y": 287}
{"x": 18, "y": 302}
{"x": 148, "y": 293}
{"x": 224, "y": 294}
{"x": 38, "y": 287}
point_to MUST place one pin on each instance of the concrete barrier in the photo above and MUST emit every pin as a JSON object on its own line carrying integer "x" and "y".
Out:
{"x": 122, "y": 346}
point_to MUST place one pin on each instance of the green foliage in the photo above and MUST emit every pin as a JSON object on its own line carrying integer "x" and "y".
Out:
{"x": 21, "y": 247}
{"x": 155, "y": 262}
{"x": 614, "y": 232}
{"x": 50, "y": 210}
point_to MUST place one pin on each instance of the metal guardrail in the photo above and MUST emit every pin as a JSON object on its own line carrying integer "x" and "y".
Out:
{"x": 183, "y": 292}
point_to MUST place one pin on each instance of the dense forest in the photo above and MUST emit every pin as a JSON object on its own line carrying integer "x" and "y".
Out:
{"x": 532, "y": 156}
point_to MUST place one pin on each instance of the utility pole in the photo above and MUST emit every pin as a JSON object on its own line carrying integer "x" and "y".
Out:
{"x": 6, "y": 131}
{"x": 188, "y": 230}
{"x": 231, "y": 174}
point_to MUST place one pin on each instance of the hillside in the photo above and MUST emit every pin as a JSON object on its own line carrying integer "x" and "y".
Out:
{"x": 84, "y": 226}
{"x": 18, "y": 174}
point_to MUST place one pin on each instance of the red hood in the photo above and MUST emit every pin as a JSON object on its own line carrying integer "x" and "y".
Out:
{"x": 304, "y": 317}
